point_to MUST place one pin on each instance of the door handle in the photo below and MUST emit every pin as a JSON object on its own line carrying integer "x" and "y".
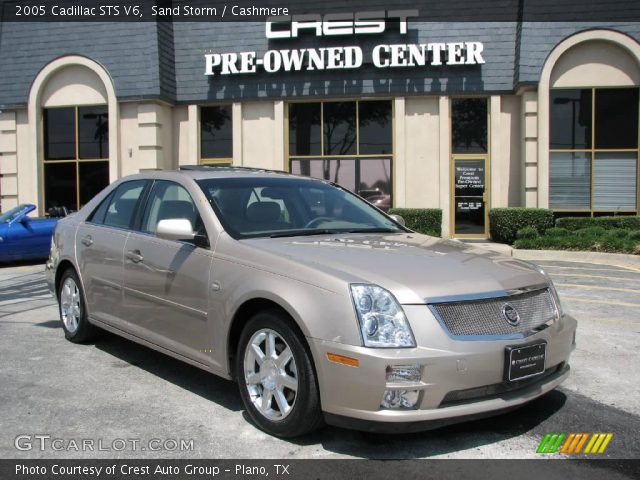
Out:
{"x": 135, "y": 256}
{"x": 88, "y": 241}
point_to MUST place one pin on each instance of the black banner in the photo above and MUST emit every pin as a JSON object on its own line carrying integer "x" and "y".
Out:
{"x": 318, "y": 469}
{"x": 261, "y": 10}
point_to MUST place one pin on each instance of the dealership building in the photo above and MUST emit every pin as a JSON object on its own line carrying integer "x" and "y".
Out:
{"x": 460, "y": 116}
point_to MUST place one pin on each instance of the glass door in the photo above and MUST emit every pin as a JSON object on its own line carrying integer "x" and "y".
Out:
{"x": 469, "y": 197}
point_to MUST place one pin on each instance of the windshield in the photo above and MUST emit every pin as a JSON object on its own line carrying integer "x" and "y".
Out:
{"x": 11, "y": 214}
{"x": 282, "y": 207}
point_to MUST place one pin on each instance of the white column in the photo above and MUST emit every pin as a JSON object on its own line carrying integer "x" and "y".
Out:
{"x": 497, "y": 162}
{"x": 400, "y": 159}
{"x": 530, "y": 148}
{"x": 8, "y": 161}
{"x": 445, "y": 165}
{"x": 237, "y": 133}
{"x": 193, "y": 136}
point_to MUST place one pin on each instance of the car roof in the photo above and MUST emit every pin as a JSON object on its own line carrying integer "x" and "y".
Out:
{"x": 200, "y": 172}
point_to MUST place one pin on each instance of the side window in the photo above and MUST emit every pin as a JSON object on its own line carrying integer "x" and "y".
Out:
{"x": 120, "y": 205}
{"x": 99, "y": 213}
{"x": 170, "y": 200}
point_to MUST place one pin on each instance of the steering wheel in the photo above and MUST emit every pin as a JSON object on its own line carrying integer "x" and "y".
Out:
{"x": 314, "y": 222}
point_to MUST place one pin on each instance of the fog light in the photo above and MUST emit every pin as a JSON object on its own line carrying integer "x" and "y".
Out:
{"x": 404, "y": 373}
{"x": 397, "y": 399}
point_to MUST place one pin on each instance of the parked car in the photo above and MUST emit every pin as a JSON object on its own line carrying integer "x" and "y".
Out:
{"x": 319, "y": 305}
{"x": 23, "y": 237}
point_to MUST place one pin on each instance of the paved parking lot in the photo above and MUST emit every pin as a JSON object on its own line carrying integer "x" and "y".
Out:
{"x": 114, "y": 389}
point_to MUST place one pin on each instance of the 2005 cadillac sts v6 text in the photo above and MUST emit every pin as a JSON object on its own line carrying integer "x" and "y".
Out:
{"x": 319, "y": 305}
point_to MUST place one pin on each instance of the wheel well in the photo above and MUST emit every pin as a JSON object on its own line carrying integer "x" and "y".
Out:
{"x": 242, "y": 316}
{"x": 62, "y": 267}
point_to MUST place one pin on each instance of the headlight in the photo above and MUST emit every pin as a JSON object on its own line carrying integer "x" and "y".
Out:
{"x": 552, "y": 288}
{"x": 382, "y": 320}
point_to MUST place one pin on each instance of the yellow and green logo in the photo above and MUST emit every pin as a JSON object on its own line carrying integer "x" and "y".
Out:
{"x": 573, "y": 443}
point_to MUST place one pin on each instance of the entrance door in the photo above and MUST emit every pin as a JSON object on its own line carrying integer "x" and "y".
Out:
{"x": 470, "y": 205}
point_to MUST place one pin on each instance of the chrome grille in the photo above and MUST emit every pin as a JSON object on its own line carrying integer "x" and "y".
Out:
{"x": 484, "y": 317}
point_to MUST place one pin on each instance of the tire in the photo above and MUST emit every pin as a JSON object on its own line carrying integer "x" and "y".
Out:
{"x": 280, "y": 392}
{"x": 73, "y": 310}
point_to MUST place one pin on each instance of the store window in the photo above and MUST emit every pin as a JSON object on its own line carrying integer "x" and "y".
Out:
{"x": 216, "y": 135}
{"x": 593, "y": 156}
{"x": 348, "y": 142}
{"x": 76, "y": 152}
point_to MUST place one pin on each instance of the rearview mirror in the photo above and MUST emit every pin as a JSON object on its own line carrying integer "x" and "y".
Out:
{"x": 179, "y": 229}
{"x": 398, "y": 219}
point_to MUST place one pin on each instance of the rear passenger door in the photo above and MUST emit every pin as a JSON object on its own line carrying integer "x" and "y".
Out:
{"x": 166, "y": 281}
{"x": 100, "y": 242}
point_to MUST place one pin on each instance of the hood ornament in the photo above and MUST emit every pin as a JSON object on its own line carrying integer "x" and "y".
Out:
{"x": 510, "y": 314}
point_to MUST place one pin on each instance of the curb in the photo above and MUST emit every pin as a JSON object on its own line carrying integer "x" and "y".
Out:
{"x": 616, "y": 259}
{"x": 619, "y": 259}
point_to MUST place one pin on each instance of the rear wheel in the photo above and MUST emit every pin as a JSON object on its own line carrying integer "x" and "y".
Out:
{"x": 276, "y": 377}
{"x": 73, "y": 312}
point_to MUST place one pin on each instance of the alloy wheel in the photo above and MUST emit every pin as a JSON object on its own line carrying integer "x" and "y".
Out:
{"x": 270, "y": 374}
{"x": 70, "y": 306}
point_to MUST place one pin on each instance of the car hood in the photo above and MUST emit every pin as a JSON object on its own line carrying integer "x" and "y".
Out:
{"x": 416, "y": 268}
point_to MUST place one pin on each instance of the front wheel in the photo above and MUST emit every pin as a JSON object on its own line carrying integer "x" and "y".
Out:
{"x": 73, "y": 312}
{"x": 276, "y": 377}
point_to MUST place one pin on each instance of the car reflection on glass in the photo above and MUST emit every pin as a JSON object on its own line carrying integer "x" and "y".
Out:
{"x": 320, "y": 307}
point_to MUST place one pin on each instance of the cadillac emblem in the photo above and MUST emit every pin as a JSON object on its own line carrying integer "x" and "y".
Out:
{"x": 510, "y": 314}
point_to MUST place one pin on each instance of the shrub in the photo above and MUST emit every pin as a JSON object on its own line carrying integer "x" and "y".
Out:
{"x": 635, "y": 235}
{"x": 576, "y": 223}
{"x": 505, "y": 222}
{"x": 628, "y": 223}
{"x": 618, "y": 233}
{"x": 595, "y": 239}
{"x": 422, "y": 220}
{"x": 557, "y": 232}
{"x": 527, "y": 232}
{"x": 590, "y": 232}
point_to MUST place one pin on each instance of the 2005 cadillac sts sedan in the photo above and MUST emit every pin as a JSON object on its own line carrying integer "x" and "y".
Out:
{"x": 319, "y": 305}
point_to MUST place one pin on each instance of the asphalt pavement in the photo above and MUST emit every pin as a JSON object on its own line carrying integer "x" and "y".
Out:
{"x": 58, "y": 397}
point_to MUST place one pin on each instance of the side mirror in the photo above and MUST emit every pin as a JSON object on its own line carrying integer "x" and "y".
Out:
{"x": 398, "y": 219}
{"x": 177, "y": 229}
{"x": 25, "y": 219}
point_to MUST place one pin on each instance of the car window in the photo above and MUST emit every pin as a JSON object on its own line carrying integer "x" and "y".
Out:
{"x": 11, "y": 214}
{"x": 117, "y": 209}
{"x": 170, "y": 200}
{"x": 98, "y": 214}
{"x": 262, "y": 207}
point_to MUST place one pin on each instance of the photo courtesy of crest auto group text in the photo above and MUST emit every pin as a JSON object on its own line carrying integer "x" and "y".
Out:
{"x": 297, "y": 240}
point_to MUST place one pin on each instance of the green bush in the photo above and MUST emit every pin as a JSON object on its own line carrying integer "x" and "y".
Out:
{"x": 576, "y": 223}
{"x": 589, "y": 231}
{"x": 527, "y": 232}
{"x": 618, "y": 233}
{"x": 557, "y": 232}
{"x": 422, "y": 220}
{"x": 635, "y": 235}
{"x": 594, "y": 239}
{"x": 505, "y": 222}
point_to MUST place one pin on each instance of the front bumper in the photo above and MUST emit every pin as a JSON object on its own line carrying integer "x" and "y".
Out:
{"x": 461, "y": 379}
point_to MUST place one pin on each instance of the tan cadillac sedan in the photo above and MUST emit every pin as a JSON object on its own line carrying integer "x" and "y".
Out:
{"x": 319, "y": 305}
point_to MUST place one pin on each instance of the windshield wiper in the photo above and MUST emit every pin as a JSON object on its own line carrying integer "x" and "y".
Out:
{"x": 326, "y": 231}
{"x": 373, "y": 230}
{"x": 304, "y": 232}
